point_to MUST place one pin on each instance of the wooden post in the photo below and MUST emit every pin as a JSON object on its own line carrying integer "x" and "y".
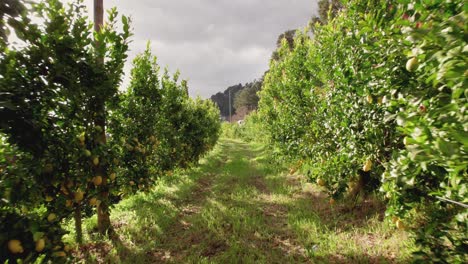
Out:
{"x": 98, "y": 14}
{"x": 103, "y": 213}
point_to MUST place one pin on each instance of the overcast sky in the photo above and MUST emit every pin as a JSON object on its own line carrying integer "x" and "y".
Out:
{"x": 214, "y": 43}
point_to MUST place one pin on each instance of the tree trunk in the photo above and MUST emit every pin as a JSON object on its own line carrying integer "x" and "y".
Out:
{"x": 78, "y": 229}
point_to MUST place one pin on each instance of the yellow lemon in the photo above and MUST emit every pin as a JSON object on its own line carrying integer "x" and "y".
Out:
{"x": 79, "y": 195}
{"x": 15, "y": 246}
{"x": 97, "y": 180}
{"x": 96, "y": 161}
{"x": 40, "y": 245}
{"x": 320, "y": 182}
{"x": 412, "y": 64}
{"x": 367, "y": 166}
{"x": 51, "y": 217}
{"x": 400, "y": 225}
{"x": 93, "y": 201}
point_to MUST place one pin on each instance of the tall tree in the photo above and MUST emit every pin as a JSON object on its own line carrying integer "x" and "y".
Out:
{"x": 328, "y": 9}
{"x": 248, "y": 98}
{"x": 288, "y": 35}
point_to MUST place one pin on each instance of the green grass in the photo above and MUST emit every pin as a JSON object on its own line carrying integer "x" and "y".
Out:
{"x": 236, "y": 207}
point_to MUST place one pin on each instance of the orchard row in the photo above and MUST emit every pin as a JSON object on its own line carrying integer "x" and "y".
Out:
{"x": 72, "y": 145}
{"x": 376, "y": 99}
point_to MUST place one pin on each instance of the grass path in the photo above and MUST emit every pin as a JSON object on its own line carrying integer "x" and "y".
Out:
{"x": 235, "y": 208}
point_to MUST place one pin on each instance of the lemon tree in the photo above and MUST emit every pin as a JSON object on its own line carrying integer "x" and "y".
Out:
{"x": 375, "y": 100}
{"x": 50, "y": 144}
{"x": 158, "y": 127}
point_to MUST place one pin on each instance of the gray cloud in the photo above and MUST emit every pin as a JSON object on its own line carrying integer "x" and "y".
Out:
{"x": 214, "y": 43}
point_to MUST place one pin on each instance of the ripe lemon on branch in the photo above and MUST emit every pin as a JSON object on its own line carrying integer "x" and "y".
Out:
{"x": 367, "y": 165}
{"x": 15, "y": 246}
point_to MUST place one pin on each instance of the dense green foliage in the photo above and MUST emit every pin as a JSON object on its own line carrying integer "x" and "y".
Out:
{"x": 48, "y": 86}
{"x": 59, "y": 88}
{"x": 381, "y": 90}
{"x": 158, "y": 127}
{"x": 250, "y": 130}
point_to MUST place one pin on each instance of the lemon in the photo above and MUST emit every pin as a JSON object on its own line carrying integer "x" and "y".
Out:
{"x": 79, "y": 195}
{"x": 367, "y": 166}
{"x": 412, "y": 64}
{"x": 96, "y": 161}
{"x": 87, "y": 153}
{"x": 51, "y": 217}
{"x": 64, "y": 190}
{"x": 93, "y": 201}
{"x": 97, "y": 180}
{"x": 320, "y": 182}
{"x": 112, "y": 176}
{"x": 15, "y": 246}
{"x": 40, "y": 245}
{"x": 400, "y": 225}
